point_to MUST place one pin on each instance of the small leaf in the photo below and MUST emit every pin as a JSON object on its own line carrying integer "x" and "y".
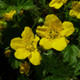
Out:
{"x": 15, "y": 63}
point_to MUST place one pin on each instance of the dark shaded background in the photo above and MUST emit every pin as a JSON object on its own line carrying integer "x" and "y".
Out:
{"x": 6, "y": 72}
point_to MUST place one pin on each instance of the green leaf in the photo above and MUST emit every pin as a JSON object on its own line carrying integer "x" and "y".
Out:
{"x": 75, "y": 49}
{"x": 22, "y": 77}
{"x": 25, "y": 5}
{"x": 52, "y": 78}
{"x": 2, "y": 5}
{"x": 15, "y": 64}
{"x": 70, "y": 54}
{"x": 77, "y": 70}
{"x": 53, "y": 65}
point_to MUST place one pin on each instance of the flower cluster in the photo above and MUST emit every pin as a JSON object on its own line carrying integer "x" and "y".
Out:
{"x": 54, "y": 35}
{"x": 51, "y": 35}
{"x": 74, "y": 12}
{"x": 36, "y": 37}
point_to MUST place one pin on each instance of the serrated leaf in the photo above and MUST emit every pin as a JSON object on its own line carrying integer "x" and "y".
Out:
{"x": 75, "y": 49}
{"x": 70, "y": 54}
{"x": 25, "y": 5}
{"x": 53, "y": 66}
{"x": 77, "y": 69}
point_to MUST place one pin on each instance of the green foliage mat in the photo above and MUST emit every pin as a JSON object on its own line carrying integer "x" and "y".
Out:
{"x": 55, "y": 65}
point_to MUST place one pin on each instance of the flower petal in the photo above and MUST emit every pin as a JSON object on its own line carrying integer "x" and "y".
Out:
{"x": 36, "y": 41}
{"x": 41, "y": 31}
{"x": 74, "y": 4}
{"x": 59, "y": 43}
{"x": 73, "y": 13}
{"x": 35, "y": 58}
{"x": 68, "y": 29}
{"x": 21, "y": 53}
{"x": 17, "y": 43}
{"x": 45, "y": 43}
{"x": 56, "y": 4}
{"x": 53, "y": 22}
{"x": 27, "y": 34}
{"x": 78, "y": 15}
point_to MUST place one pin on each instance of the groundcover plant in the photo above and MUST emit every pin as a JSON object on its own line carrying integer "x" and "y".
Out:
{"x": 40, "y": 39}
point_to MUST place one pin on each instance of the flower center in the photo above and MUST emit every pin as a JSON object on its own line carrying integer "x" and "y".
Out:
{"x": 29, "y": 46}
{"x": 51, "y": 33}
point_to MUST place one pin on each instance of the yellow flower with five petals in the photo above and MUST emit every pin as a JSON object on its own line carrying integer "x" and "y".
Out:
{"x": 57, "y": 3}
{"x": 54, "y": 33}
{"x": 75, "y": 11}
{"x": 26, "y": 46}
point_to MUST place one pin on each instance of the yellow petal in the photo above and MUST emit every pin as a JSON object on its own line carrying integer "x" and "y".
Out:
{"x": 35, "y": 58}
{"x": 56, "y": 4}
{"x": 53, "y": 21}
{"x": 78, "y": 15}
{"x": 17, "y": 43}
{"x": 36, "y": 41}
{"x": 43, "y": 28}
{"x": 59, "y": 43}
{"x": 74, "y": 3}
{"x": 73, "y": 13}
{"x": 45, "y": 43}
{"x": 64, "y": 1}
{"x": 41, "y": 31}
{"x": 27, "y": 34}
{"x": 68, "y": 29}
{"x": 21, "y": 53}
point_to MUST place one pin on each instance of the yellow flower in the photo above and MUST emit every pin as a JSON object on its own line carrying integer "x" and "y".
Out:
{"x": 54, "y": 33}
{"x": 75, "y": 11}
{"x": 26, "y": 46}
{"x": 9, "y": 16}
{"x": 24, "y": 68}
{"x": 7, "y": 53}
{"x": 57, "y": 3}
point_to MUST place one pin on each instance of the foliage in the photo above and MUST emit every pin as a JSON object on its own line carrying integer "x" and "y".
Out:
{"x": 55, "y": 65}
